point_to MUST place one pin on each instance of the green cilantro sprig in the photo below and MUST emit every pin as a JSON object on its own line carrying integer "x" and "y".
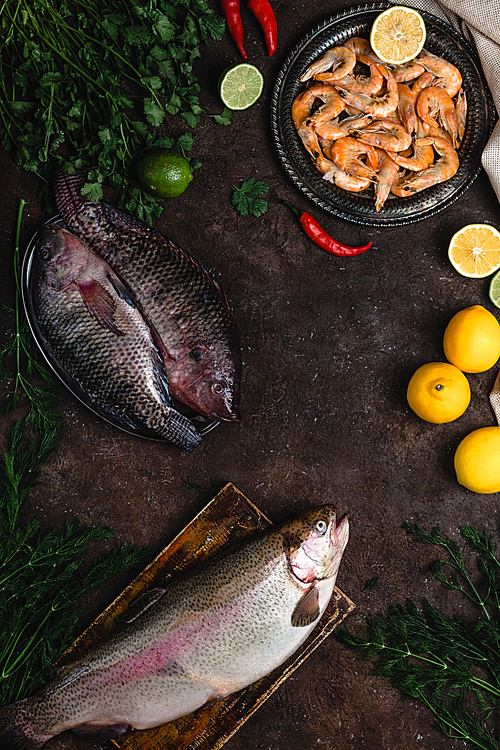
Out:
{"x": 246, "y": 199}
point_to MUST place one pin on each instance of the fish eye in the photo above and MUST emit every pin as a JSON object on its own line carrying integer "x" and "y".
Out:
{"x": 219, "y": 387}
{"x": 196, "y": 354}
{"x": 44, "y": 253}
{"x": 320, "y": 526}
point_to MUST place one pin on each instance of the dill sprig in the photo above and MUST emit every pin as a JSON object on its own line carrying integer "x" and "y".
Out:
{"x": 449, "y": 664}
{"x": 41, "y": 579}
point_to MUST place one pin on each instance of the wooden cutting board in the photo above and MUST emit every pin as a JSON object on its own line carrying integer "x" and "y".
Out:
{"x": 227, "y": 519}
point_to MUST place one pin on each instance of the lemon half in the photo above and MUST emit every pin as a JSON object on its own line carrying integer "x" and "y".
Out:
{"x": 398, "y": 35}
{"x": 474, "y": 250}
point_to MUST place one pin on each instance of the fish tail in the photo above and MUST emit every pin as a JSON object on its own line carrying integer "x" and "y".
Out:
{"x": 68, "y": 192}
{"x": 17, "y": 731}
{"x": 181, "y": 431}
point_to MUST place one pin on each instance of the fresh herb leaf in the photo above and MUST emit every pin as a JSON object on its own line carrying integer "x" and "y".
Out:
{"x": 245, "y": 198}
{"x": 225, "y": 118}
{"x": 370, "y": 584}
{"x": 450, "y": 664}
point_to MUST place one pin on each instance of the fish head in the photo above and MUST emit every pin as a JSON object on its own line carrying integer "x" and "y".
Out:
{"x": 207, "y": 380}
{"x": 61, "y": 255}
{"x": 316, "y": 542}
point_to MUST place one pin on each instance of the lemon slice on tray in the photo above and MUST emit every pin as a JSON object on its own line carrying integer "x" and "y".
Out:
{"x": 398, "y": 35}
{"x": 241, "y": 86}
{"x": 474, "y": 250}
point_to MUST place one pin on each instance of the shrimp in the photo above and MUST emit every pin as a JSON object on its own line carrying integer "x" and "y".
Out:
{"x": 385, "y": 134}
{"x": 369, "y": 85}
{"x": 333, "y": 129}
{"x": 406, "y": 108}
{"x": 333, "y": 173}
{"x": 408, "y": 71}
{"x": 380, "y": 106}
{"x": 448, "y": 75}
{"x": 333, "y": 103}
{"x": 422, "y": 82}
{"x": 346, "y": 154}
{"x": 361, "y": 47}
{"x": 442, "y": 170}
{"x": 341, "y": 60}
{"x": 436, "y": 102}
{"x": 423, "y": 156}
{"x": 387, "y": 174}
{"x": 301, "y": 109}
{"x": 461, "y": 114}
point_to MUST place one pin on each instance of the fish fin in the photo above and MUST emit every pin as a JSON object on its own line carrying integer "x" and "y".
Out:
{"x": 182, "y": 432}
{"x": 99, "y": 303}
{"x": 17, "y": 732}
{"x": 101, "y": 732}
{"x": 121, "y": 289}
{"x": 142, "y": 603}
{"x": 307, "y": 610}
{"x": 68, "y": 192}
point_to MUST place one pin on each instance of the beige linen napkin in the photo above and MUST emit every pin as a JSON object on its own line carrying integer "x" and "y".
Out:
{"x": 479, "y": 22}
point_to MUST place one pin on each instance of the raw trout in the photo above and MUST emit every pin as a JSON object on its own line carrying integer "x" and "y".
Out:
{"x": 209, "y": 633}
{"x": 96, "y": 334}
{"x": 197, "y": 333}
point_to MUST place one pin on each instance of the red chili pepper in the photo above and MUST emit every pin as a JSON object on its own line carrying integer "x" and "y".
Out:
{"x": 323, "y": 239}
{"x": 264, "y": 14}
{"x": 231, "y": 10}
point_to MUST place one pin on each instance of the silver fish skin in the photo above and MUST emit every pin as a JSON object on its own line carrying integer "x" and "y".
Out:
{"x": 99, "y": 339}
{"x": 209, "y": 633}
{"x": 197, "y": 332}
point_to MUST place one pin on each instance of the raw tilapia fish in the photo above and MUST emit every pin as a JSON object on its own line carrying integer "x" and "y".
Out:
{"x": 196, "y": 330}
{"x": 209, "y": 633}
{"x": 95, "y": 333}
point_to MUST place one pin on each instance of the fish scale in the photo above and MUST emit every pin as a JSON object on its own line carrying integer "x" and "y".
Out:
{"x": 189, "y": 313}
{"x": 213, "y": 631}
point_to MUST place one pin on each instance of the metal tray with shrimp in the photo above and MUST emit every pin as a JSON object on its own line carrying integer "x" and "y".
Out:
{"x": 202, "y": 424}
{"x": 442, "y": 40}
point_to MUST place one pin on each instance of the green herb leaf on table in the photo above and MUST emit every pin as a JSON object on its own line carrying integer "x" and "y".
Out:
{"x": 449, "y": 664}
{"x": 246, "y": 199}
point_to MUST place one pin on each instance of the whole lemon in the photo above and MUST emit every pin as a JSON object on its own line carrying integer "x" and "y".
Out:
{"x": 477, "y": 460}
{"x": 472, "y": 339}
{"x": 438, "y": 392}
{"x": 164, "y": 173}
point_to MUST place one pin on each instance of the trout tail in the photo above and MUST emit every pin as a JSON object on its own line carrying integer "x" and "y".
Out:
{"x": 17, "y": 732}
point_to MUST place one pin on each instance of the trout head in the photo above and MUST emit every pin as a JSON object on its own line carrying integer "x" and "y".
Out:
{"x": 316, "y": 542}
{"x": 207, "y": 380}
{"x": 61, "y": 255}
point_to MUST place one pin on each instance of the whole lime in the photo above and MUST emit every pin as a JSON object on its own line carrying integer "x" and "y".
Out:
{"x": 164, "y": 173}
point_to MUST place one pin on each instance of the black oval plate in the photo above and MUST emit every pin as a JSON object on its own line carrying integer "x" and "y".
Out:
{"x": 201, "y": 423}
{"x": 359, "y": 208}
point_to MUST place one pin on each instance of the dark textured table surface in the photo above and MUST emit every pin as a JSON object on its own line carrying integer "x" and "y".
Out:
{"x": 329, "y": 345}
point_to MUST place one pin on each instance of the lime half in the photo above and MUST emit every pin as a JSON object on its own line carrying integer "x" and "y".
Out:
{"x": 495, "y": 289}
{"x": 241, "y": 86}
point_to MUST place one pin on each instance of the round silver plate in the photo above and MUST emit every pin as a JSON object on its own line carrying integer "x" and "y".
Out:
{"x": 203, "y": 424}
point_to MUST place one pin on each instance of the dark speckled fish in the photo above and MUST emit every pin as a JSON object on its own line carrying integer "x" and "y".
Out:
{"x": 197, "y": 333}
{"x": 99, "y": 339}
{"x": 209, "y": 633}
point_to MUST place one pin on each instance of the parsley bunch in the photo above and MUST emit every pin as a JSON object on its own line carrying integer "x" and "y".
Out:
{"x": 81, "y": 82}
{"x": 450, "y": 664}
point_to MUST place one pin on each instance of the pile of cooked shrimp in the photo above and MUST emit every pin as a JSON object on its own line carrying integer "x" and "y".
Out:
{"x": 396, "y": 129}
